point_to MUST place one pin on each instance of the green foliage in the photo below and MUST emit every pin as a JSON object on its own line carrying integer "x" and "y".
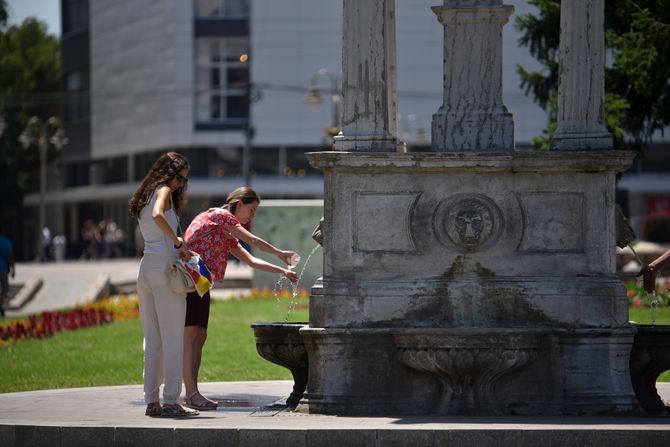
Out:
{"x": 541, "y": 35}
{"x": 637, "y": 101}
{"x": 29, "y": 85}
{"x": 640, "y": 44}
{"x": 3, "y": 13}
{"x": 112, "y": 354}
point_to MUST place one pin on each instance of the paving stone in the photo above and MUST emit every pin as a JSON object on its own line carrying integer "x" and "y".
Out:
{"x": 87, "y": 436}
{"x": 38, "y": 436}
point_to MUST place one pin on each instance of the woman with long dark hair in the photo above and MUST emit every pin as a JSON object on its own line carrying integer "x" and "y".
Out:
{"x": 156, "y": 205}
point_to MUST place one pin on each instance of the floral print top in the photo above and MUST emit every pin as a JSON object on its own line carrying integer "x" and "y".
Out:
{"x": 209, "y": 236}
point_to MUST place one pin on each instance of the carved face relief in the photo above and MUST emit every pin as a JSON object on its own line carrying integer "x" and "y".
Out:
{"x": 468, "y": 226}
{"x": 470, "y": 222}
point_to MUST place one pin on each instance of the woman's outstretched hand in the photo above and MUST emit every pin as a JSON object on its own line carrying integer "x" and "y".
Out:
{"x": 291, "y": 275}
{"x": 286, "y": 256}
{"x": 648, "y": 274}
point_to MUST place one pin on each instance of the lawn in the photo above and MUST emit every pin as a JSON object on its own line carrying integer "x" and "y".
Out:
{"x": 112, "y": 354}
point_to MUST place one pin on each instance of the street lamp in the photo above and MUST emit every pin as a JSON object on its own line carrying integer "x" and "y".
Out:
{"x": 42, "y": 133}
{"x": 314, "y": 98}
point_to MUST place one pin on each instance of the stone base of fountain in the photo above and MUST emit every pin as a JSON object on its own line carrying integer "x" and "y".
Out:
{"x": 281, "y": 343}
{"x": 468, "y": 371}
{"x": 650, "y": 357}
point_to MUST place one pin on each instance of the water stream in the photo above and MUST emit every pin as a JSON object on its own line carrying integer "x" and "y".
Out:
{"x": 295, "y": 287}
{"x": 651, "y": 296}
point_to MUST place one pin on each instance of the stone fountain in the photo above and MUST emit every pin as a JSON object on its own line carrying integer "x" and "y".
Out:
{"x": 473, "y": 279}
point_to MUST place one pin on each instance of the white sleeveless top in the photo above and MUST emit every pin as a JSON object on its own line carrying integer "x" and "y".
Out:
{"x": 155, "y": 241}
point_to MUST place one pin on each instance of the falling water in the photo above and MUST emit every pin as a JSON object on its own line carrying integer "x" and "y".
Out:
{"x": 294, "y": 296}
{"x": 651, "y": 296}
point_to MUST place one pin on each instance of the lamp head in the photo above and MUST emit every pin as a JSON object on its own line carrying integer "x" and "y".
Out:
{"x": 313, "y": 98}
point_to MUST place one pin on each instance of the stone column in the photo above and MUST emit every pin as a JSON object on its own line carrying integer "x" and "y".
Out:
{"x": 368, "y": 77}
{"x": 473, "y": 117}
{"x": 581, "y": 114}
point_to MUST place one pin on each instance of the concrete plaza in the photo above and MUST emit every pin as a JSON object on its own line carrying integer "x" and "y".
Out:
{"x": 114, "y": 416}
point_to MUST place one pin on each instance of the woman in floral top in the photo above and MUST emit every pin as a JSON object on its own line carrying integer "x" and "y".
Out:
{"x": 214, "y": 234}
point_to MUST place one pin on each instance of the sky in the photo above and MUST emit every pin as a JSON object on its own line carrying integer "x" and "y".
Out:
{"x": 46, "y": 10}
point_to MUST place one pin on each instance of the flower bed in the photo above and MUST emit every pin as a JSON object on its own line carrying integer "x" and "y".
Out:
{"x": 104, "y": 311}
{"x": 46, "y": 324}
{"x": 638, "y": 297}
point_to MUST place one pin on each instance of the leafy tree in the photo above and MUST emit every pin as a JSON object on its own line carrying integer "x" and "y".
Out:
{"x": 29, "y": 82}
{"x": 3, "y": 13}
{"x": 637, "y": 87}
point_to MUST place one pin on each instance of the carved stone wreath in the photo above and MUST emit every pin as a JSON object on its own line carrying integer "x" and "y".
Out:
{"x": 469, "y": 222}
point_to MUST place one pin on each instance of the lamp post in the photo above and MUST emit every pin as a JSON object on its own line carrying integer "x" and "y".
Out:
{"x": 42, "y": 133}
{"x": 314, "y": 98}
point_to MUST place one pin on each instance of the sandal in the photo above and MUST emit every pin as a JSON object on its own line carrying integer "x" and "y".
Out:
{"x": 154, "y": 409}
{"x": 176, "y": 410}
{"x": 206, "y": 405}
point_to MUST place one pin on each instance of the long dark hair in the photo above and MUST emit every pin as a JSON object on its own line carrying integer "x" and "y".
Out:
{"x": 163, "y": 170}
{"x": 242, "y": 194}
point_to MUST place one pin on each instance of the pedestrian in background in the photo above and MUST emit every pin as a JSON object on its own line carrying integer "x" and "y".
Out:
{"x": 156, "y": 204}
{"x": 6, "y": 269}
{"x": 214, "y": 234}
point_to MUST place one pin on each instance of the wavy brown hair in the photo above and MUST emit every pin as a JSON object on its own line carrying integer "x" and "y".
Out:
{"x": 242, "y": 194}
{"x": 163, "y": 170}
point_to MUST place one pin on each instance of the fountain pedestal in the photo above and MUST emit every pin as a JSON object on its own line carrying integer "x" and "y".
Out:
{"x": 430, "y": 258}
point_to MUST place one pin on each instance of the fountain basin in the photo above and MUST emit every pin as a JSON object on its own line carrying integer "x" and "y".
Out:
{"x": 282, "y": 344}
{"x": 468, "y": 362}
{"x": 650, "y": 356}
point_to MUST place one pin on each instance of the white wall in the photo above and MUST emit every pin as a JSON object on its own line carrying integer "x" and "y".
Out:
{"x": 292, "y": 39}
{"x": 132, "y": 66}
{"x": 142, "y": 56}
{"x": 142, "y": 78}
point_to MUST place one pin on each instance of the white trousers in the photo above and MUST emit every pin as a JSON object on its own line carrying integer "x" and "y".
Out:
{"x": 162, "y": 313}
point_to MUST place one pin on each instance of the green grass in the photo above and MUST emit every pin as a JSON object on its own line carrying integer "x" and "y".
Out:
{"x": 642, "y": 315}
{"x": 112, "y": 354}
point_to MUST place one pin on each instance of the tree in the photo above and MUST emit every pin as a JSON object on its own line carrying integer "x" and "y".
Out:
{"x": 29, "y": 85}
{"x": 637, "y": 87}
{"x": 3, "y": 13}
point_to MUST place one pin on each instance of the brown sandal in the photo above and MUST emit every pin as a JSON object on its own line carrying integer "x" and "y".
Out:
{"x": 176, "y": 410}
{"x": 154, "y": 409}
{"x": 206, "y": 405}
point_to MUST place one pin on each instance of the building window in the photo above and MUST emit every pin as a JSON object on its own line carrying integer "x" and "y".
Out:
{"x": 76, "y": 104}
{"x": 222, "y": 80}
{"x": 75, "y": 15}
{"x": 221, "y": 8}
